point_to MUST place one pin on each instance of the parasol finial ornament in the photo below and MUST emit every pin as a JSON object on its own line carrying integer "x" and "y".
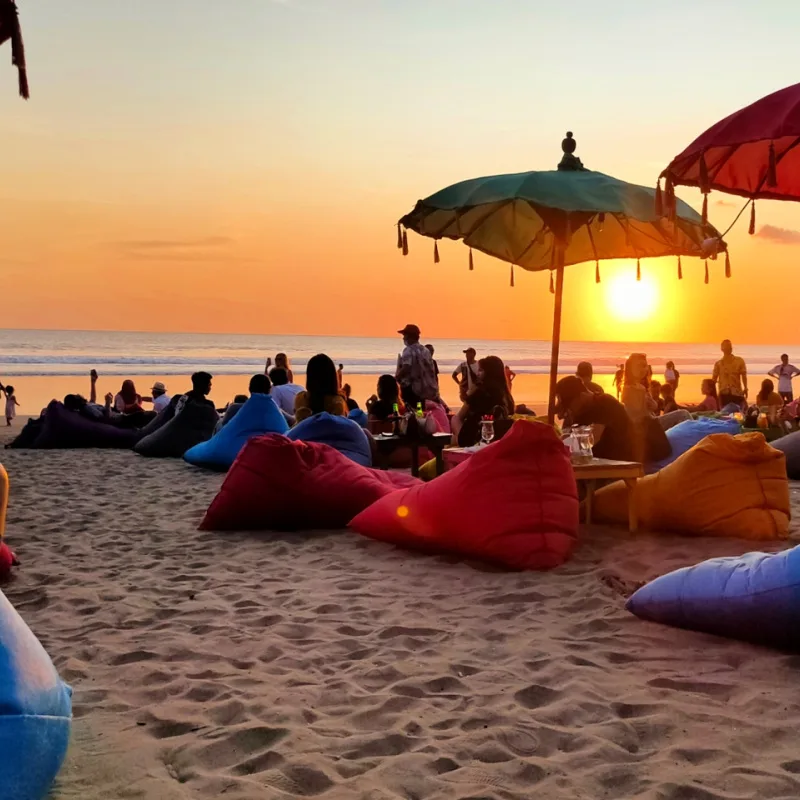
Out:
{"x": 569, "y": 161}
{"x": 10, "y": 29}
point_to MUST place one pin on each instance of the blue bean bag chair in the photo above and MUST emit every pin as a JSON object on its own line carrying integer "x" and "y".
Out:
{"x": 360, "y": 417}
{"x": 258, "y": 416}
{"x": 685, "y": 435}
{"x": 755, "y": 597}
{"x": 790, "y": 447}
{"x": 340, "y": 433}
{"x": 35, "y": 711}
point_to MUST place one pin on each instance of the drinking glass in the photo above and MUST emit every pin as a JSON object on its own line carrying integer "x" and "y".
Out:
{"x": 487, "y": 431}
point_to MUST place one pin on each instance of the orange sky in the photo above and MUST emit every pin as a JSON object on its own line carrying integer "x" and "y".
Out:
{"x": 192, "y": 168}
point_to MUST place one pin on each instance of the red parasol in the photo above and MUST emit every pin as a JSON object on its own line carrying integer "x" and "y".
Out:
{"x": 752, "y": 153}
{"x": 9, "y": 29}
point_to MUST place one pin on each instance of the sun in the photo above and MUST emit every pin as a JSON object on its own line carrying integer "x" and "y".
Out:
{"x": 630, "y": 300}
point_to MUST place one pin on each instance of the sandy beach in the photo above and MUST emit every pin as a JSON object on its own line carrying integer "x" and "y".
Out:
{"x": 324, "y": 664}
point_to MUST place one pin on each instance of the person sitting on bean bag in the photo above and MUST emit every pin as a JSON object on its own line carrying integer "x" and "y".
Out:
{"x": 258, "y": 416}
{"x": 380, "y": 407}
{"x": 322, "y": 391}
{"x": 490, "y": 396}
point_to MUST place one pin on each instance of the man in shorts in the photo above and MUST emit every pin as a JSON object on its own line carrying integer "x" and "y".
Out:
{"x": 730, "y": 375}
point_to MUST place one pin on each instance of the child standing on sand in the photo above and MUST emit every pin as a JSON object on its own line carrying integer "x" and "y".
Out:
{"x": 11, "y": 404}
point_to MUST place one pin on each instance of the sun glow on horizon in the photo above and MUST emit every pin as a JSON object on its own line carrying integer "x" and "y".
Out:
{"x": 629, "y": 300}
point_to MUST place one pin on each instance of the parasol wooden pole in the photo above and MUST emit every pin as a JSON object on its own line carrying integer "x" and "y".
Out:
{"x": 551, "y": 408}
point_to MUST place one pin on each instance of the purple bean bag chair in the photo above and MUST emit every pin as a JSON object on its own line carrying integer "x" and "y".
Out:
{"x": 62, "y": 429}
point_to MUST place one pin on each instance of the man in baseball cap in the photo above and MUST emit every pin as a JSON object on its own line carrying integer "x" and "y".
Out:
{"x": 415, "y": 371}
{"x": 410, "y": 333}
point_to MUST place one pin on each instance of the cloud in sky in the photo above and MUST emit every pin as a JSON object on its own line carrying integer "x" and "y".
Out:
{"x": 207, "y": 248}
{"x": 725, "y": 204}
{"x": 173, "y": 244}
{"x": 779, "y": 235}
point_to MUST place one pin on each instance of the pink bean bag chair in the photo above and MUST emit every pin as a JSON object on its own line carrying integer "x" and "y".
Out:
{"x": 514, "y": 503}
{"x": 278, "y": 484}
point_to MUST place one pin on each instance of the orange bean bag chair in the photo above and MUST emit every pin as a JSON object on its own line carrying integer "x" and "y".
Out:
{"x": 724, "y": 486}
{"x": 513, "y": 503}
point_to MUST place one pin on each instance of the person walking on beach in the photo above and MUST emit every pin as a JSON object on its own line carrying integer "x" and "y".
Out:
{"x": 281, "y": 362}
{"x": 510, "y": 375}
{"x": 619, "y": 379}
{"x": 415, "y": 372}
{"x": 671, "y": 376}
{"x": 11, "y": 404}
{"x": 467, "y": 374}
{"x": 730, "y": 375}
{"x": 784, "y": 372}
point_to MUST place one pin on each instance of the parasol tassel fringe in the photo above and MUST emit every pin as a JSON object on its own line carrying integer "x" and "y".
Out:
{"x": 18, "y": 55}
{"x": 405, "y": 242}
{"x": 601, "y": 221}
{"x": 706, "y": 271}
{"x": 436, "y": 252}
{"x": 512, "y": 276}
{"x": 772, "y": 171}
{"x": 552, "y": 287}
{"x": 705, "y": 209}
{"x": 669, "y": 197}
{"x": 597, "y": 272}
{"x": 727, "y": 264}
{"x": 680, "y": 269}
{"x": 704, "y": 187}
{"x": 753, "y": 218}
{"x": 659, "y": 200}
{"x": 638, "y": 270}
{"x": 471, "y": 262}
{"x": 399, "y": 237}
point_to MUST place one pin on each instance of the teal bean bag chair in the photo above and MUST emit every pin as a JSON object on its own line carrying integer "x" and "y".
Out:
{"x": 257, "y": 417}
{"x": 35, "y": 711}
{"x": 685, "y": 435}
{"x": 754, "y": 597}
{"x": 340, "y": 433}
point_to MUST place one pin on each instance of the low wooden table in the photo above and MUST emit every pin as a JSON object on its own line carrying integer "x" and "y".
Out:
{"x": 600, "y": 469}
{"x": 388, "y": 443}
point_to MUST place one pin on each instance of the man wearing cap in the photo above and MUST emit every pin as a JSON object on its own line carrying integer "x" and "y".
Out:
{"x": 611, "y": 425}
{"x": 466, "y": 374}
{"x": 415, "y": 372}
{"x": 160, "y": 397}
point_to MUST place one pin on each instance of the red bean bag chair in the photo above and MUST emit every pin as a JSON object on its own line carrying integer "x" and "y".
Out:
{"x": 278, "y": 484}
{"x": 514, "y": 503}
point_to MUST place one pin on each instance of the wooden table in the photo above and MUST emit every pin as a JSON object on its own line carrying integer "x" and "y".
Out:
{"x": 600, "y": 469}
{"x": 387, "y": 443}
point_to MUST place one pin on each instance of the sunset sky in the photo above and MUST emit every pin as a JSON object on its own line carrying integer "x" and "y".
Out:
{"x": 239, "y": 165}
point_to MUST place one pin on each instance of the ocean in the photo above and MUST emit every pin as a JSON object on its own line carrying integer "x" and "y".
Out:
{"x": 43, "y": 364}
